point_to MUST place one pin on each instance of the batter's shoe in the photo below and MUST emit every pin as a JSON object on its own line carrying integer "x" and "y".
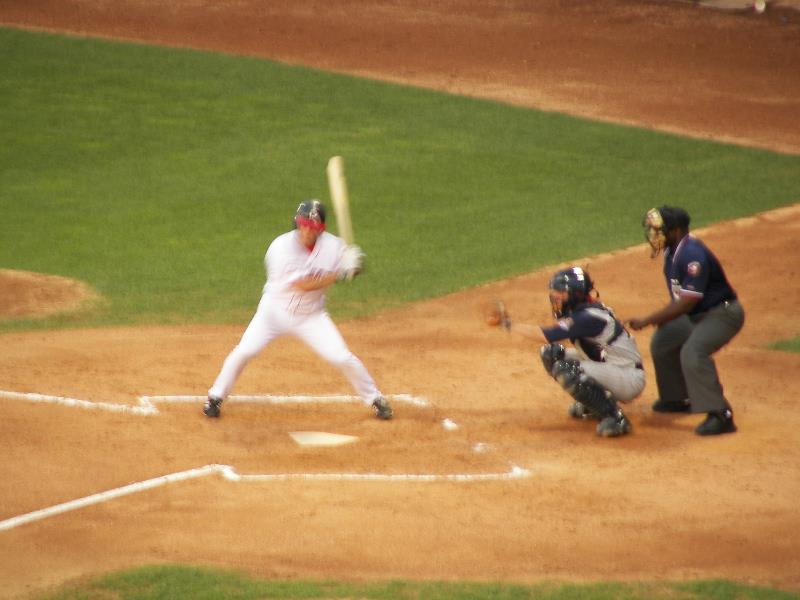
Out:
{"x": 668, "y": 406}
{"x": 717, "y": 423}
{"x": 614, "y": 426}
{"x": 578, "y": 410}
{"x": 382, "y": 408}
{"x": 211, "y": 409}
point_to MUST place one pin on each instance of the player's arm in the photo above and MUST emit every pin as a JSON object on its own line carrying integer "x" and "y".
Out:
{"x": 580, "y": 325}
{"x": 671, "y": 311}
{"x": 526, "y": 330}
{"x": 314, "y": 282}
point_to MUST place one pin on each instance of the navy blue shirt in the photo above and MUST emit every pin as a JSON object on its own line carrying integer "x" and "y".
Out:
{"x": 591, "y": 326}
{"x": 693, "y": 271}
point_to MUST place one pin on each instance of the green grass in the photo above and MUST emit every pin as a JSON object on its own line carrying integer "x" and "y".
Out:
{"x": 168, "y": 582}
{"x": 790, "y": 345}
{"x": 159, "y": 176}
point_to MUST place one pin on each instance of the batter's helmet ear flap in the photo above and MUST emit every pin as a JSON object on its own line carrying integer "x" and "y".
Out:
{"x": 654, "y": 230}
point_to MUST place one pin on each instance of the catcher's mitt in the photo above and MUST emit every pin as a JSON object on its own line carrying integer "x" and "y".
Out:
{"x": 497, "y": 315}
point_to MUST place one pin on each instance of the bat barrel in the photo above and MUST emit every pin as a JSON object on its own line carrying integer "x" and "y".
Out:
{"x": 339, "y": 197}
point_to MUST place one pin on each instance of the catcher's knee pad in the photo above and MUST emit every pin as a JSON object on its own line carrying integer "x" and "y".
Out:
{"x": 550, "y": 354}
{"x": 593, "y": 395}
{"x": 567, "y": 372}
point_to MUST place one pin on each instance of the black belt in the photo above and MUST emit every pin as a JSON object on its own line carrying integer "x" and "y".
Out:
{"x": 725, "y": 302}
{"x": 699, "y": 315}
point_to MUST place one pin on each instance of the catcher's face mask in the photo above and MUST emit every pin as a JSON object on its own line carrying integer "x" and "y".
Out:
{"x": 558, "y": 299}
{"x": 653, "y": 224}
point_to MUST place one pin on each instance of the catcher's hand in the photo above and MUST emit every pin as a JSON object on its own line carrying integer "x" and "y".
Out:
{"x": 497, "y": 316}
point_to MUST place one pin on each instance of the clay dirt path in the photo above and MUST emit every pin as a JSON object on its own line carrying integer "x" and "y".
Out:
{"x": 661, "y": 503}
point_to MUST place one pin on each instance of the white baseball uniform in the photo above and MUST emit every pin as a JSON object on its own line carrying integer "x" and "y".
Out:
{"x": 286, "y": 311}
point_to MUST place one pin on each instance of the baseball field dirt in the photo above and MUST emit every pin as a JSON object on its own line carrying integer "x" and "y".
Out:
{"x": 661, "y": 503}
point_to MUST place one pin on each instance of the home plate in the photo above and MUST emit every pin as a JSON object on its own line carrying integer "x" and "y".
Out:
{"x": 321, "y": 438}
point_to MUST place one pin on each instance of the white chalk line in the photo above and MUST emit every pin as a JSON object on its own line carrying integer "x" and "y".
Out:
{"x": 108, "y": 495}
{"x": 144, "y": 408}
{"x": 146, "y": 405}
{"x": 230, "y": 474}
{"x": 293, "y": 399}
{"x": 515, "y": 473}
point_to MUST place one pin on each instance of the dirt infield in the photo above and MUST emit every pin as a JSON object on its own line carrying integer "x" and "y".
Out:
{"x": 659, "y": 504}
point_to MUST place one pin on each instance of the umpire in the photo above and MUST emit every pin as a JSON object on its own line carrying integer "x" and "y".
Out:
{"x": 702, "y": 316}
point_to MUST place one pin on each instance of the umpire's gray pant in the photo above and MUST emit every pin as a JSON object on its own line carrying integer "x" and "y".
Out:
{"x": 682, "y": 349}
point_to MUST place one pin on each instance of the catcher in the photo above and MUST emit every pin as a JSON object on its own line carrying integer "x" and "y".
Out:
{"x": 603, "y": 368}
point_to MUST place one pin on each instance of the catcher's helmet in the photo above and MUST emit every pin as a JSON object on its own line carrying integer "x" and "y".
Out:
{"x": 310, "y": 213}
{"x": 657, "y": 222}
{"x": 576, "y": 283}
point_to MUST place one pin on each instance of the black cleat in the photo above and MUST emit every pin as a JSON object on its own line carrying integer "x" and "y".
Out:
{"x": 211, "y": 408}
{"x": 614, "y": 426}
{"x": 717, "y": 423}
{"x": 667, "y": 406}
{"x": 578, "y": 410}
{"x": 382, "y": 408}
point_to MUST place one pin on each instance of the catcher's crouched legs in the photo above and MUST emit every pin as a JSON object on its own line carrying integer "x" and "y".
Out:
{"x": 592, "y": 396}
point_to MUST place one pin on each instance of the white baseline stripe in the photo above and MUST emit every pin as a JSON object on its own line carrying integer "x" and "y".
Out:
{"x": 515, "y": 473}
{"x": 142, "y": 409}
{"x": 230, "y": 474}
{"x": 110, "y": 494}
{"x": 146, "y": 404}
{"x": 276, "y": 399}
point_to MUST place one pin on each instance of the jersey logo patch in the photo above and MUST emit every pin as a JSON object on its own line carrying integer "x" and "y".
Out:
{"x": 693, "y": 269}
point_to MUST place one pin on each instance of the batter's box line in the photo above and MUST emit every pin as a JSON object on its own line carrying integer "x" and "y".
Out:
{"x": 230, "y": 474}
{"x": 146, "y": 405}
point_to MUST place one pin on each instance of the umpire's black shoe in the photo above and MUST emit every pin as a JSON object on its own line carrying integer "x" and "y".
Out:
{"x": 717, "y": 423}
{"x": 211, "y": 408}
{"x": 667, "y": 406}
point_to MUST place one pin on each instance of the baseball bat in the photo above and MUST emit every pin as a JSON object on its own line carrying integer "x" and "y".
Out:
{"x": 339, "y": 197}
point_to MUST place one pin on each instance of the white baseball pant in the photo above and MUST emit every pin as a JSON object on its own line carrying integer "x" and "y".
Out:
{"x": 317, "y": 330}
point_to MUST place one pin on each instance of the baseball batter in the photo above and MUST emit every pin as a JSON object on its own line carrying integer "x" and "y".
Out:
{"x": 703, "y": 315}
{"x": 604, "y": 366}
{"x": 301, "y": 264}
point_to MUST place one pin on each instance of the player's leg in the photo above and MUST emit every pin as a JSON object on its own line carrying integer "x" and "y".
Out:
{"x": 624, "y": 383}
{"x": 589, "y": 393}
{"x": 665, "y": 349}
{"x": 714, "y": 330}
{"x": 551, "y": 354}
{"x": 321, "y": 334}
{"x": 264, "y": 327}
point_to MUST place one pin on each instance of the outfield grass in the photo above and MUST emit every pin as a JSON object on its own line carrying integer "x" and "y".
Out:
{"x": 159, "y": 176}
{"x": 169, "y": 582}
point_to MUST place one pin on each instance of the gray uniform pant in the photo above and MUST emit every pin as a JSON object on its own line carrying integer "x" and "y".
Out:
{"x": 682, "y": 349}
